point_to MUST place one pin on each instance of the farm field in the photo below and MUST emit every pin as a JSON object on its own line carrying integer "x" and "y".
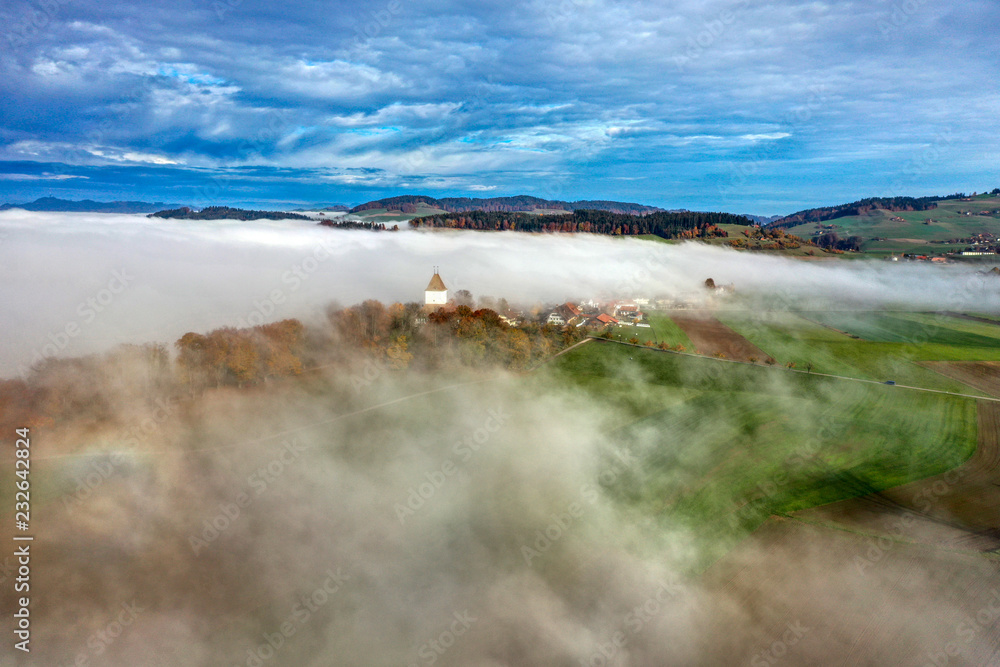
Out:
{"x": 711, "y": 337}
{"x": 909, "y": 232}
{"x": 803, "y": 341}
{"x": 899, "y": 327}
{"x": 983, "y": 375}
{"x": 715, "y": 435}
{"x": 928, "y": 546}
{"x": 819, "y": 503}
{"x": 392, "y": 215}
{"x": 855, "y": 602}
{"x": 661, "y": 329}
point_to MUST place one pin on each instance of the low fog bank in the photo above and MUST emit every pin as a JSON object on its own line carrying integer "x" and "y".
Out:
{"x": 466, "y": 518}
{"x": 469, "y": 526}
{"x": 80, "y": 283}
{"x": 458, "y": 517}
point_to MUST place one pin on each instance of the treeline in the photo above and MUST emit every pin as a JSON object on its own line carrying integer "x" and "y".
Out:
{"x": 761, "y": 238}
{"x": 401, "y": 334}
{"x": 356, "y": 224}
{"x": 356, "y": 344}
{"x": 858, "y": 208}
{"x": 225, "y": 213}
{"x": 519, "y": 203}
{"x": 662, "y": 224}
{"x": 353, "y": 348}
{"x": 832, "y": 241}
{"x": 230, "y": 356}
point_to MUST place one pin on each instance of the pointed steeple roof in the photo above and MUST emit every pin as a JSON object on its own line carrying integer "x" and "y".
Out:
{"x": 436, "y": 284}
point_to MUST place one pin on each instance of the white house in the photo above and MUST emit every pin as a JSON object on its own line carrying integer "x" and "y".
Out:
{"x": 556, "y": 318}
{"x": 436, "y": 293}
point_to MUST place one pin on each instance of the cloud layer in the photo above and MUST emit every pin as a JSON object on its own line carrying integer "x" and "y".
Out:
{"x": 823, "y": 101}
{"x": 78, "y": 283}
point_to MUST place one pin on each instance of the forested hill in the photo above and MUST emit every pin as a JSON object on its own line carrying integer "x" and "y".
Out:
{"x": 663, "y": 224}
{"x": 226, "y": 213}
{"x": 860, "y": 207}
{"x": 88, "y": 206}
{"x": 409, "y": 204}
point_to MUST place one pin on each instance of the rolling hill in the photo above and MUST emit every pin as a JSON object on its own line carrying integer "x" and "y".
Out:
{"x": 943, "y": 225}
{"x": 519, "y": 203}
{"x": 89, "y": 206}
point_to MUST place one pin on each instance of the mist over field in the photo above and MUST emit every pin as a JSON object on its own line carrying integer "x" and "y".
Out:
{"x": 750, "y": 417}
{"x": 364, "y": 515}
{"x": 80, "y": 283}
{"x": 417, "y": 519}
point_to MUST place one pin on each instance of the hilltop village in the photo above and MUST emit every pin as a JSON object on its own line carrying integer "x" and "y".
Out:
{"x": 592, "y": 314}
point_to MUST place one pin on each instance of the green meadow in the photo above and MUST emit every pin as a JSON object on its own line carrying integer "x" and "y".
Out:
{"x": 916, "y": 232}
{"x": 720, "y": 446}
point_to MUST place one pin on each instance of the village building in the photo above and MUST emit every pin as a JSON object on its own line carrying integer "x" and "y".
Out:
{"x": 563, "y": 315}
{"x": 436, "y": 293}
{"x": 602, "y": 320}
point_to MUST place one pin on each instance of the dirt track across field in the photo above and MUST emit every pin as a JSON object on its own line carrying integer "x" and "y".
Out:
{"x": 711, "y": 337}
{"x": 983, "y": 375}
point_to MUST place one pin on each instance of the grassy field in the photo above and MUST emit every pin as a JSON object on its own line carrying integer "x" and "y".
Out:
{"x": 722, "y": 446}
{"x": 906, "y": 327}
{"x": 662, "y": 329}
{"x": 897, "y": 341}
{"x": 914, "y": 231}
{"x": 387, "y": 215}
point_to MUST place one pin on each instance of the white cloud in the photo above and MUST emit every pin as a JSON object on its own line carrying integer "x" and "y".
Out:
{"x": 203, "y": 275}
{"x": 334, "y": 80}
{"x": 765, "y": 137}
{"x": 44, "y": 176}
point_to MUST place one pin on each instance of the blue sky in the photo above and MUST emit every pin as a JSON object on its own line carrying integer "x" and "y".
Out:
{"x": 739, "y": 106}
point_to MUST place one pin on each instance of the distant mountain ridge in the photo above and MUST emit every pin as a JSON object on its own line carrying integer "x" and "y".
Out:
{"x": 763, "y": 220}
{"x": 516, "y": 204}
{"x": 225, "y": 213}
{"x": 89, "y": 206}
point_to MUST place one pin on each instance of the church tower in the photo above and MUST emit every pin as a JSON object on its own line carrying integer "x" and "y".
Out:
{"x": 436, "y": 293}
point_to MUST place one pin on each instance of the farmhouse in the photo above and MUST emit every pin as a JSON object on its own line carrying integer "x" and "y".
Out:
{"x": 601, "y": 320}
{"x": 563, "y": 315}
